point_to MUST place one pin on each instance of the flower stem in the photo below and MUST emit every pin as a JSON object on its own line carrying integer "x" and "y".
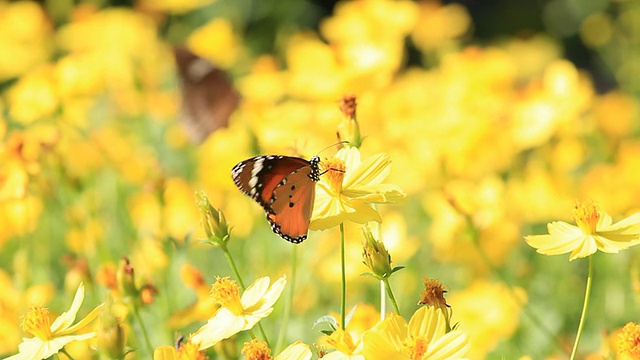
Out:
{"x": 475, "y": 236}
{"x": 343, "y": 305}
{"x": 387, "y": 286}
{"x": 383, "y": 300}
{"x": 145, "y": 336}
{"x": 64, "y": 351}
{"x": 288, "y": 304}
{"x": 232, "y": 263}
{"x": 585, "y": 305}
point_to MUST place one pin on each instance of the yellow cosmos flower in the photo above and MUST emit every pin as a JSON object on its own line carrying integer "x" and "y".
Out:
{"x": 50, "y": 338}
{"x": 425, "y": 337}
{"x": 238, "y": 313}
{"x": 258, "y": 350}
{"x": 595, "y": 230}
{"x": 346, "y": 347}
{"x": 350, "y": 187}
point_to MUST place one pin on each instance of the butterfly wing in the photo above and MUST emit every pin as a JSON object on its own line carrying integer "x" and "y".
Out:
{"x": 285, "y": 188}
{"x": 292, "y": 204}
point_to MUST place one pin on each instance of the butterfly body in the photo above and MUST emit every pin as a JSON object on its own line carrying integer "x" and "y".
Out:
{"x": 285, "y": 188}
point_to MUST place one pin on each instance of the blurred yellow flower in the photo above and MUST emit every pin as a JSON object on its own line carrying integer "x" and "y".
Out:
{"x": 238, "y": 313}
{"x": 350, "y": 187}
{"x": 259, "y": 350}
{"x": 488, "y": 313}
{"x": 217, "y": 42}
{"x": 296, "y": 351}
{"x": 49, "y": 337}
{"x": 595, "y": 231}
{"x": 34, "y": 96}
{"x": 205, "y": 304}
{"x": 174, "y": 6}
{"x": 440, "y": 26}
{"x": 625, "y": 342}
{"x": 25, "y": 30}
{"x": 425, "y": 337}
{"x": 186, "y": 351}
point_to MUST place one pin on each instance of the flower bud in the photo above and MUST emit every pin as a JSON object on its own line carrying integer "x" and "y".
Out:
{"x": 348, "y": 128}
{"x": 213, "y": 221}
{"x": 376, "y": 257}
{"x": 110, "y": 334}
{"x": 126, "y": 279}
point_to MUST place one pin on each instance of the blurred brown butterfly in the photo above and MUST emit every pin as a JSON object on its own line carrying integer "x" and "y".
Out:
{"x": 208, "y": 96}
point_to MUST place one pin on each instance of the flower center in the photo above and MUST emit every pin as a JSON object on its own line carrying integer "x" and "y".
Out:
{"x": 335, "y": 173}
{"x": 227, "y": 293}
{"x": 586, "y": 215}
{"x": 630, "y": 339}
{"x": 256, "y": 350}
{"x": 416, "y": 348}
{"x": 189, "y": 351}
{"x": 36, "y": 321}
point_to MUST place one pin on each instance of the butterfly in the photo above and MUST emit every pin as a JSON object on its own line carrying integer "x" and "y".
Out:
{"x": 208, "y": 95}
{"x": 285, "y": 188}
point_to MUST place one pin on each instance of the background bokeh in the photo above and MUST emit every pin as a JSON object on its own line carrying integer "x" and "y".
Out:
{"x": 497, "y": 115}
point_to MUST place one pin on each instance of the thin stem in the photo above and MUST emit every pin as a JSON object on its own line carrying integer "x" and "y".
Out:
{"x": 232, "y": 263}
{"x": 585, "y": 305}
{"x": 390, "y": 294}
{"x": 343, "y": 302}
{"x": 64, "y": 351}
{"x": 475, "y": 236}
{"x": 383, "y": 300}
{"x": 288, "y": 304}
{"x": 233, "y": 266}
{"x": 145, "y": 336}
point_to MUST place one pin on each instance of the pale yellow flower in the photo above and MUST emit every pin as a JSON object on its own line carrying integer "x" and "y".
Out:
{"x": 49, "y": 337}
{"x": 425, "y": 337}
{"x": 595, "y": 231}
{"x": 238, "y": 313}
{"x": 349, "y": 188}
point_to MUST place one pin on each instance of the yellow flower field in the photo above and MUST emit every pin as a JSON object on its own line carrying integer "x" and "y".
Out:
{"x": 436, "y": 173}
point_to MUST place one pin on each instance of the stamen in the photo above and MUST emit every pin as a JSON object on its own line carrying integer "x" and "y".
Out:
{"x": 227, "y": 293}
{"x": 586, "y": 216}
{"x": 37, "y": 322}
{"x": 335, "y": 170}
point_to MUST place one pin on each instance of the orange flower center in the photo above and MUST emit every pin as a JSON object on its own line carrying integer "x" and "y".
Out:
{"x": 189, "y": 351}
{"x": 227, "y": 293}
{"x": 37, "y": 322}
{"x": 256, "y": 350}
{"x": 630, "y": 340}
{"x": 335, "y": 173}
{"x": 416, "y": 348}
{"x": 586, "y": 215}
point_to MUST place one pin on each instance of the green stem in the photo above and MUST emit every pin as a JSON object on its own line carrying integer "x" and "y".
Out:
{"x": 475, "y": 235}
{"x": 232, "y": 263}
{"x": 64, "y": 351}
{"x": 145, "y": 336}
{"x": 343, "y": 302}
{"x": 585, "y": 305}
{"x": 383, "y": 300}
{"x": 390, "y": 294}
{"x": 287, "y": 306}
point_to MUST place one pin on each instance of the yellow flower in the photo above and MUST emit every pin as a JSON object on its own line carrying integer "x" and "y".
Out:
{"x": 595, "y": 231}
{"x": 185, "y": 351}
{"x": 258, "y": 350}
{"x": 49, "y": 337}
{"x": 425, "y": 337}
{"x": 350, "y": 186}
{"x": 238, "y": 313}
{"x": 346, "y": 347}
{"x": 626, "y": 341}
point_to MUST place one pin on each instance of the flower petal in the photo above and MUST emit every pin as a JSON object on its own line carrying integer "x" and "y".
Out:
{"x": 373, "y": 170}
{"x": 255, "y": 292}
{"x": 222, "y": 325}
{"x": 67, "y": 318}
{"x": 296, "y": 351}
{"x": 427, "y": 322}
{"x": 452, "y": 345}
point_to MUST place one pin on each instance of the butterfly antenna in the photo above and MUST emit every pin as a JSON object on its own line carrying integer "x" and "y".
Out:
{"x": 332, "y": 145}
